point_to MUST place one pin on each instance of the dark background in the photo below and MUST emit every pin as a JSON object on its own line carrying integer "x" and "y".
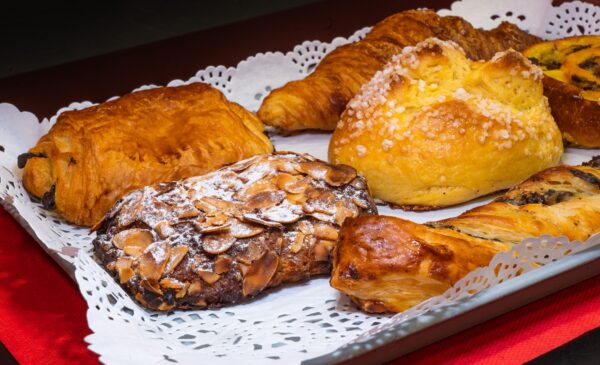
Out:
{"x": 35, "y": 35}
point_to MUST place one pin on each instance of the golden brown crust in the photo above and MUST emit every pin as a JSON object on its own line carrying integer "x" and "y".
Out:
{"x": 434, "y": 128}
{"x": 577, "y": 118}
{"x": 387, "y": 264}
{"x": 226, "y": 236}
{"x": 91, "y": 157}
{"x": 317, "y": 101}
{"x": 572, "y": 86}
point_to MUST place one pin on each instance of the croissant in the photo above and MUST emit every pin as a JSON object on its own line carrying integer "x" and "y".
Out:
{"x": 91, "y": 157}
{"x": 226, "y": 236}
{"x": 387, "y": 264}
{"x": 317, "y": 101}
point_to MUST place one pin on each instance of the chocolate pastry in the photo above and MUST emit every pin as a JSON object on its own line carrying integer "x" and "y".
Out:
{"x": 226, "y": 236}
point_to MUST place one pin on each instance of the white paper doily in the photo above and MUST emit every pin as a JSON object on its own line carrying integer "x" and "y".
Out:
{"x": 296, "y": 322}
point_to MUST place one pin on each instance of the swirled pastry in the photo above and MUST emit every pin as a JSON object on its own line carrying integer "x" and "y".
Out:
{"x": 91, "y": 157}
{"x": 317, "y": 101}
{"x": 434, "y": 128}
{"x": 572, "y": 85}
{"x": 387, "y": 264}
{"x": 228, "y": 235}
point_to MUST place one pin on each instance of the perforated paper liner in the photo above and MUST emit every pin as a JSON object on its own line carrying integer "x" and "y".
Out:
{"x": 296, "y": 322}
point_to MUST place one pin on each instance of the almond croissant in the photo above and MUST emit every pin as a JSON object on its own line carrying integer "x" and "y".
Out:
{"x": 226, "y": 236}
{"x": 317, "y": 101}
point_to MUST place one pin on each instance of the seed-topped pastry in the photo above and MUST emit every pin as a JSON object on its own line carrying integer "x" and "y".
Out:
{"x": 225, "y": 236}
{"x": 434, "y": 129}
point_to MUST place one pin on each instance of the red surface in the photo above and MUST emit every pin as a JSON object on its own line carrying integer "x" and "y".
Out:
{"x": 42, "y": 316}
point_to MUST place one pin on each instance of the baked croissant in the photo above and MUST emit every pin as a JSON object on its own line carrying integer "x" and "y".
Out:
{"x": 220, "y": 238}
{"x": 387, "y": 264}
{"x": 91, "y": 157}
{"x": 317, "y": 101}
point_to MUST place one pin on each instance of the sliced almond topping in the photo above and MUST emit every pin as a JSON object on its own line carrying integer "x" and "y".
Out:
{"x": 341, "y": 213}
{"x": 260, "y": 273}
{"x": 278, "y": 244}
{"x": 323, "y": 217}
{"x": 188, "y": 213}
{"x": 177, "y": 254}
{"x": 244, "y": 230}
{"x": 315, "y": 169}
{"x": 209, "y": 276}
{"x": 123, "y": 267}
{"x": 244, "y": 164}
{"x": 259, "y": 186}
{"x": 296, "y": 199}
{"x": 305, "y": 227}
{"x": 286, "y": 166}
{"x": 325, "y": 231}
{"x": 360, "y": 202}
{"x": 211, "y": 206}
{"x": 281, "y": 214}
{"x": 164, "y": 229}
{"x": 130, "y": 211}
{"x": 195, "y": 287}
{"x": 265, "y": 199}
{"x": 170, "y": 283}
{"x": 252, "y": 217}
{"x": 243, "y": 268}
{"x": 297, "y": 243}
{"x": 223, "y": 264}
{"x": 183, "y": 291}
{"x": 151, "y": 285}
{"x": 133, "y": 237}
{"x": 252, "y": 252}
{"x": 153, "y": 260}
{"x": 339, "y": 175}
{"x": 217, "y": 243}
{"x": 323, "y": 249}
{"x": 292, "y": 184}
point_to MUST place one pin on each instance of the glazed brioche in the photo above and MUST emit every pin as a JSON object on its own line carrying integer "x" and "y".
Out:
{"x": 317, "y": 101}
{"x": 387, "y": 264}
{"x": 91, "y": 157}
{"x": 226, "y": 236}
{"x": 572, "y": 85}
{"x": 434, "y": 128}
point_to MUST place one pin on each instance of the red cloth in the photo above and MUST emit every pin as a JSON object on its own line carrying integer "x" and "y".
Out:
{"x": 42, "y": 316}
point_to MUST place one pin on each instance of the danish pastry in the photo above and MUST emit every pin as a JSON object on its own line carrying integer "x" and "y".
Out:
{"x": 434, "y": 129}
{"x": 91, "y": 157}
{"x": 387, "y": 264}
{"x": 226, "y": 236}
{"x": 317, "y": 101}
{"x": 572, "y": 85}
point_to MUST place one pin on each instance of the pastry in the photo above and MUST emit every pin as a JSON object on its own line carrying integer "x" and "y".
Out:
{"x": 317, "y": 101}
{"x": 572, "y": 85}
{"x": 91, "y": 157}
{"x": 226, "y": 236}
{"x": 434, "y": 129}
{"x": 387, "y": 264}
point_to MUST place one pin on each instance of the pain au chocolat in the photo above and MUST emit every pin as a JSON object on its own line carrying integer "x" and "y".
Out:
{"x": 226, "y": 236}
{"x": 91, "y": 157}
